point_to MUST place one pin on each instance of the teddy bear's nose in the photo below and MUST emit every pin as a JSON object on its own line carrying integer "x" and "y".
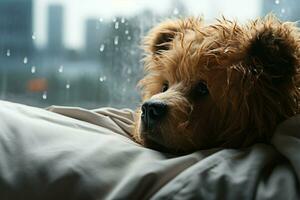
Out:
{"x": 152, "y": 112}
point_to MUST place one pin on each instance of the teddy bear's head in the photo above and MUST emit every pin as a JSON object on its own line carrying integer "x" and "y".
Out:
{"x": 217, "y": 85}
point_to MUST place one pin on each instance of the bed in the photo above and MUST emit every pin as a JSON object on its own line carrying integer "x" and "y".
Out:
{"x": 74, "y": 153}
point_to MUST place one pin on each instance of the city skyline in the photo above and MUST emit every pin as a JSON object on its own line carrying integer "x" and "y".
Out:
{"x": 76, "y": 14}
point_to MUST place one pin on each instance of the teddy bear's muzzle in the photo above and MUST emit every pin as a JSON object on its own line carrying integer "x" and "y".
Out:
{"x": 153, "y": 111}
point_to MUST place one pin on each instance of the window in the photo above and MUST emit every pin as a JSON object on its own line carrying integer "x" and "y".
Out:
{"x": 87, "y": 53}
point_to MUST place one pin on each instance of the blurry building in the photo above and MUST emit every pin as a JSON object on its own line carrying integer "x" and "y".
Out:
{"x": 95, "y": 32}
{"x": 16, "y": 27}
{"x": 92, "y": 32}
{"x": 55, "y": 29}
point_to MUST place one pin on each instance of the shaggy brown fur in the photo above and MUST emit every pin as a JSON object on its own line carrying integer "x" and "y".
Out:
{"x": 251, "y": 73}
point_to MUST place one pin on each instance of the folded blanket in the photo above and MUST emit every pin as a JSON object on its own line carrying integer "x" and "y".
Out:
{"x": 73, "y": 153}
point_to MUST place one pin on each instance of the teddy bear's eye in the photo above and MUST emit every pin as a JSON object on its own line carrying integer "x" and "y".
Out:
{"x": 165, "y": 87}
{"x": 201, "y": 89}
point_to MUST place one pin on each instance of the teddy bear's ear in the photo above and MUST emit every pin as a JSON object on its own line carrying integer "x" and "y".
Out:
{"x": 160, "y": 37}
{"x": 274, "y": 49}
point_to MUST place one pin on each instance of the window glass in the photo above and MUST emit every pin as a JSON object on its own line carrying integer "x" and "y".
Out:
{"x": 87, "y": 53}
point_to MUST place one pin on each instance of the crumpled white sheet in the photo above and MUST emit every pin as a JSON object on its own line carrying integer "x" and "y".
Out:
{"x": 74, "y": 153}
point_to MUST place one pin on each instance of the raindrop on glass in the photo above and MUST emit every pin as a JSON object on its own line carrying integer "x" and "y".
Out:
{"x": 126, "y": 32}
{"x": 44, "y": 95}
{"x": 68, "y": 86}
{"x": 128, "y": 38}
{"x": 8, "y": 52}
{"x": 132, "y": 52}
{"x": 277, "y": 1}
{"x": 114, "y": 19}
{"x": 123, "y": 20}
{"x": 116, "y": 40}
{"x": 33, "y": 36}
{"x": 61, "y": 69}
{"x": 102, "y": 46}
{"x": 282, "y": 10}
{"x": 116, "y": 25}
{"x": 25, "y": 60}
{"x": 100, "y": 19}
{"x": 102, "y": 78}
{"x": 33, "y": 69}
{"x": 175, "y": 11}
{"x": 129, "y": 71}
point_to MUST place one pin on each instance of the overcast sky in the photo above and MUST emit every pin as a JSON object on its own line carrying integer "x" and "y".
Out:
{"x": 77, "y": 11}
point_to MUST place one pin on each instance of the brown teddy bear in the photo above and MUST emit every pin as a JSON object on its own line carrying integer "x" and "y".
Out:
{"x": 219, "y": 85}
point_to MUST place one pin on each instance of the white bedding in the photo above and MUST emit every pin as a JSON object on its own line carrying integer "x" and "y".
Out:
{"x": 87, "y": 154}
